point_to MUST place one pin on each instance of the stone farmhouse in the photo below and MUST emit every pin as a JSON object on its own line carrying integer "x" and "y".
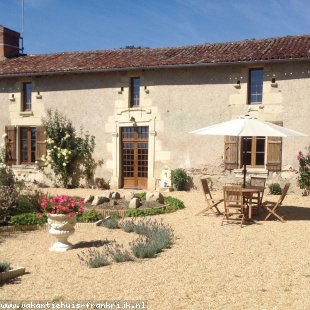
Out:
{"x": 141, "y": 105}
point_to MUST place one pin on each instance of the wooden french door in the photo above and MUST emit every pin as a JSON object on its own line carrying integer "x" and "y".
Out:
{"x": 134, "y": 154}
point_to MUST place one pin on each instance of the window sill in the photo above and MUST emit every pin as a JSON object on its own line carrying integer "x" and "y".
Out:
{"x": 26, "y": 113}
{"x": 258, "y": 170}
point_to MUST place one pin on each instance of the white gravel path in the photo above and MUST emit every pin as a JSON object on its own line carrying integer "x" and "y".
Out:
{"x": 261, "y": 266}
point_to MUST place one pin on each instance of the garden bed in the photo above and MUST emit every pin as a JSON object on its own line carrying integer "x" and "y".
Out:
{"x": 123, "y": 204}
{"x": 121, "y": 208}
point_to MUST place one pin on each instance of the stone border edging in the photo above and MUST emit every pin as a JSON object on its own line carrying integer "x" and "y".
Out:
{"x": 15, "y": 272}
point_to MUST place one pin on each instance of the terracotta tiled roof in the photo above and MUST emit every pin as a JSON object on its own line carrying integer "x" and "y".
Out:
{"x": 282, "y": 48}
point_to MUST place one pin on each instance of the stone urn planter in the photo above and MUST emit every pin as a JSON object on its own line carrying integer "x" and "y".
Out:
{"x": 62, "y": 226}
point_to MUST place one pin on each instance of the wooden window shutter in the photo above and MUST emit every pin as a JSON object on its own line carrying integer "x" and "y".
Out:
{"x": 274, "y": 152}
{"x": 231, "y": 152}
{"x": 41, "y": 143}
{"x": 10, "y": 145}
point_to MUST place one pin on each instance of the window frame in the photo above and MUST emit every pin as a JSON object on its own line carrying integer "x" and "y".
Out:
{"x": 26, "y": 106}
{"x": 250, "y": 102}
{"x": 134, "y": 92}
{"x": 253, "y": 151}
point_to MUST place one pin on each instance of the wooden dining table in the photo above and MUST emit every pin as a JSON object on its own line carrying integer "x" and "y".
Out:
{"x": 248, "y": 193}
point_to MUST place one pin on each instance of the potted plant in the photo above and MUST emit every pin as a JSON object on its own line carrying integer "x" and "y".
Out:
{"x": 61, "y": 216}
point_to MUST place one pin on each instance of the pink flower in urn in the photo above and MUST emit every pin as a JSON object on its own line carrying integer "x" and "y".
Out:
{"x": 39, "y": 216}
{"x": 62, "y": 205}
{"x": 44, "y": 204}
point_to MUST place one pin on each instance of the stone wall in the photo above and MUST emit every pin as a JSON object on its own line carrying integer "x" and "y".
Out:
{"x": 173, "y": 103}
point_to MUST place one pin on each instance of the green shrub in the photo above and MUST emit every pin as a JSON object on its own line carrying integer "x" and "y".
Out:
{"x": 111, "y": 222}
{"x": 89, "y": 216}
{"x": 275, "y": 189}
{"x": 27, "y": 203}
{"x": 127, "y": 226}
{"x": 143, "y": 248}
{"x": 10, "y": 189}
{"x": 118, "y": 254}
{"x": 154, "y": 237}
{"x": 179, "y": 178}
{"x": 304, "y": 171}
{"x": 141, "y": 196}
{"x": 94, "y": 258}
{"x": 4, "y": 266}
{"x": 28, "y": 219}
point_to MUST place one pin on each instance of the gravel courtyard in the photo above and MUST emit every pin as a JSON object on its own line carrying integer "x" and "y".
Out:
{"x": 265, "y": 265}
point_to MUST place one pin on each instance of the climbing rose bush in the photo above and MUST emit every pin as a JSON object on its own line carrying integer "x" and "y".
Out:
{"x": 68, "y": 154}
{"x": 304, "y": 170}
{"x": 61, "y": 205}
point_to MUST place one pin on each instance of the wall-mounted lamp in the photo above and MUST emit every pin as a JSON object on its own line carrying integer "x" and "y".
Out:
{"x": 146, "y": 90}
{"x": 121, "y": 90}
{"x": 133, "y": 120}
{"x": 238, "y": 84}
{"x": 273, "y": 82}
{"x": 38, "y": 95}
{"x": 12, "y": 97}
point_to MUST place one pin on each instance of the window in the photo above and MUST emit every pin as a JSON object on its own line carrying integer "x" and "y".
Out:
{"x": 255, "y": 91}
{"x": 29, "y": 141}
{"x": 255, "y": 151}
{"x": 134, "y": 91}
{"x": 27, "y": 145}
{"x": 261, "y": 152}
{"x": 26, "y": 96}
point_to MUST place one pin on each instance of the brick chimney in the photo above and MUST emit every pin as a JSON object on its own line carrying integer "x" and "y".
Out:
{"x": 9, "y": 43}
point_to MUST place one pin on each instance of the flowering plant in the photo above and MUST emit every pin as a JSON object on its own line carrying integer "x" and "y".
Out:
{"x": 69, "y": 155}
{"x": 61, "y": 205}
{"x": 304, "y": 170}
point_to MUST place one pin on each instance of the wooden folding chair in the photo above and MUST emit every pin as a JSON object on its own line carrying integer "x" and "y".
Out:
{"x": 272, "y": 207}
{"x": 233, "y": 204}
{"x": 212, "y": 203}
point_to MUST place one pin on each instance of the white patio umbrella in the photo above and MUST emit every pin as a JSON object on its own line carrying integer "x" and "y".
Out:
{"x": 247, "y": 126}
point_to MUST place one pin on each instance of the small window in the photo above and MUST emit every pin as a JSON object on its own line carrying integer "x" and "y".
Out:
{"x": 26, "y": 96}
{"x": 27, "y": 145}
{"x": 255, "y": 151}
{"x": 134, "y": 91}
{"x": 256, "y": 77}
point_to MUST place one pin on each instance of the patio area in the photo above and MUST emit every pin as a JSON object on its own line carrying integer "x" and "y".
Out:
{"x": 261, "y": 266}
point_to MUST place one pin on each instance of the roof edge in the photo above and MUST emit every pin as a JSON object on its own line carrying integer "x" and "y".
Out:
{"x": 64, "y": 72}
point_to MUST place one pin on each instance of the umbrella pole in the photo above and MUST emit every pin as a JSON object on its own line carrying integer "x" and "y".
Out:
{"x": 245, "y": 144}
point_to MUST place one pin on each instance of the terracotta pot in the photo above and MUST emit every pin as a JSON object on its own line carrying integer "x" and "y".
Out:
{"x": 62, "y": 226}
